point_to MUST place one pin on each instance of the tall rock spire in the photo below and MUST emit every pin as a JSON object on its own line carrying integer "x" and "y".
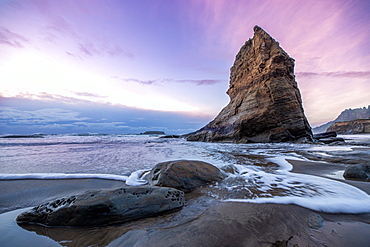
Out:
{"x": 265, "y": 102}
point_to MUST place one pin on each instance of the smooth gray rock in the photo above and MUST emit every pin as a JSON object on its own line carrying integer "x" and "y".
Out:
{"x": 184, "y": 175}
{"x": 357, "y": 171}
{"x": 104, "y": 207}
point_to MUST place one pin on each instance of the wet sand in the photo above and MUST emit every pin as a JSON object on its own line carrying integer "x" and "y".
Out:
{"x": 327, "y": 170}
{"x": 203, "y": 222}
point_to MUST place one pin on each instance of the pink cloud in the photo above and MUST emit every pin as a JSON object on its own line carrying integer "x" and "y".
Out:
{"x": 305, "y": 30}
{"x": 70, "y": 25}
{"x": 338, "y": 74}
{"x": 201, "y": 82}
{"x": 88, "y": 49}
{"x": 91, "y": 95}
{"x": 15, "y": 40}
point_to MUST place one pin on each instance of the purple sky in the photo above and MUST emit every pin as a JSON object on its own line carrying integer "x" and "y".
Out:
{"x": 171, "y": 57}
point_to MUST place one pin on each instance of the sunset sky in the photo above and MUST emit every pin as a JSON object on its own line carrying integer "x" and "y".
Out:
{"x": 126, "y": 66}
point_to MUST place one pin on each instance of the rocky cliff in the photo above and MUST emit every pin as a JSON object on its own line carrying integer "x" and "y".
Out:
{"x": 346, "y": 115}
{"x": 359, "y": 126}
{"x": 265, "y": 102}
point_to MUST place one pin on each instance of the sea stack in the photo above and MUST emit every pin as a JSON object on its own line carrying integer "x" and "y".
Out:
{"x": 265, "y": 102}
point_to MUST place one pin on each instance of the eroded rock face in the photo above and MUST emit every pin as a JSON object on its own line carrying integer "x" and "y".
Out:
{"x": 104, "y": 207}
{"x": 358, "y": 126}
{"x": 184, "y": 175}
{"x": 265, "y": 102}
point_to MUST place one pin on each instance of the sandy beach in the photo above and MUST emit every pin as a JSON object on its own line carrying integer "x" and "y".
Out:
{"x": 203, "y": 222}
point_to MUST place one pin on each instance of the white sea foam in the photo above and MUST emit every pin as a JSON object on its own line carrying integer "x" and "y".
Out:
{"x": 61, "y": 176}
{"x": 135, "y": 180}
{"x": 283, "y": 163}
{"x": 312, "y": 192}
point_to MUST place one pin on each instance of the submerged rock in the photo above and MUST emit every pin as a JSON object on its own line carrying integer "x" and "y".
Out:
{"x": 360, "y": 171}
{"x": 104, "y": 207}
{"x": 315, "y": 221}
{"x": 265, "y": 102}
{"x": 184, "y": 175}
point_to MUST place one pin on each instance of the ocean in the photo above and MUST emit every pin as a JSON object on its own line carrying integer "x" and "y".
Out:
{"x": 256, "y": 173}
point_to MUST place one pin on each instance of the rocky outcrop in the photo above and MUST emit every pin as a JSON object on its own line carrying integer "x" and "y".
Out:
{"x": 184, "y": 175}
{"x": 328, "y": 137}
{"x": 359, "y": 126}
{"x": 104, "y": 207}
{"x": 153, "y": 132}
{"x": 346, "y": 115}
{"x": 170, "y": 136}
{"x": 360, "y": 171}
{"x": 353, "y": 114}
{"x": 265, "y": 102}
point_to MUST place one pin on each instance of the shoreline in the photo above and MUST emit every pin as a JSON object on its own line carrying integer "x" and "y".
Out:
{"x": 203, "y": 222}
{"x": 327, "y": 170}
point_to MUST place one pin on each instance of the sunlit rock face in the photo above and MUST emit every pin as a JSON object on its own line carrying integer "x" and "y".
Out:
{"x": 265, "y": 102}
{"x": 358, "y": 126}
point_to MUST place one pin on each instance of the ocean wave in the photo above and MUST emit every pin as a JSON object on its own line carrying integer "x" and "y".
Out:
{"x": 326, "y": 195}
{"x": 62, "y": 176}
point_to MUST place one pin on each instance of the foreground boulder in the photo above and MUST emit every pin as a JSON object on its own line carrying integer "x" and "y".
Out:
{"x": 361, "y": 171}
{"x": 184, "y": 175}
{"x": 104, "y": 207}
{"x": 265, "y": 102}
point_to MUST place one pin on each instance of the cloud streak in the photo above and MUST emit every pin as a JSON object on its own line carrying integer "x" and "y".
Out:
{"x": 200, "y": 82}
{"x": 87, "y": 94}
{"x": 9, "y": 38}
{"x": 338, "y": 74}
{"x": 11, "y": 115}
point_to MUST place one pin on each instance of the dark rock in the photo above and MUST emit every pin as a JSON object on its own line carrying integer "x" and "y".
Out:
{"x": 184, "y": 175}
{"x": 360, "y": 171}
{"x": 104, "y": 207}
{"x": 265, "y": 102}
{"x": 325, "y": 135}
{"x": 171, "y": 136}
{"x": 331, "y": 140}
{"x": 24, "y": 136}
{"x": 153, "y": 133}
